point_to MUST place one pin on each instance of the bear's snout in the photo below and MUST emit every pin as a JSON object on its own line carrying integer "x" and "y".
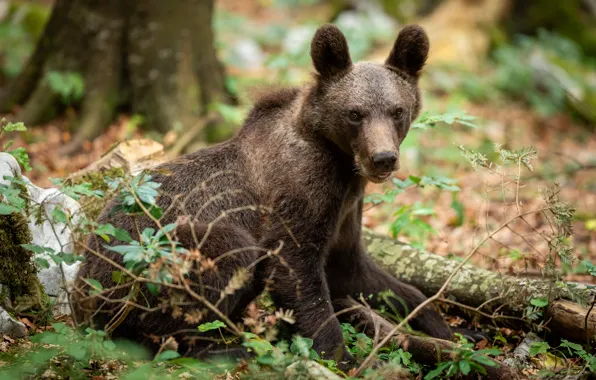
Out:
{"x": 384, "y": 161}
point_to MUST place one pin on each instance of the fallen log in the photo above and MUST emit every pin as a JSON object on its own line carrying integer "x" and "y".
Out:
{"x": 496, "y": 294}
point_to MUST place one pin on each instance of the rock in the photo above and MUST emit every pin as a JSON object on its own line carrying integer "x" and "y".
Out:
{"x": 58, "y": 237}
{"x": 11, "y": 327}
{"x": 55, "y": 235}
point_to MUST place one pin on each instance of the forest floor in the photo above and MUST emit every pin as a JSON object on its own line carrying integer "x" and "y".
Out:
{"x": 443, "y": 222}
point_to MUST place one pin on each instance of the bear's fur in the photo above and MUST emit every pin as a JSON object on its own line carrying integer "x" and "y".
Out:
{"x": 294, "y": 177}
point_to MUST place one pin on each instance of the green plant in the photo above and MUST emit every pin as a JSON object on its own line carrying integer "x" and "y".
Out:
{"x": 20, "y": 154}
{"x": 465, "y": 361}
{"x": 410, "y": 220}
{"x": 427, "y": 120}
{"x": 69, "y": 85}
{"x": 15, "y": 46}
{"x": 546, "y": 72}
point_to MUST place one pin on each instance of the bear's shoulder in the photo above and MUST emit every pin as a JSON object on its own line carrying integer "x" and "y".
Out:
{"x": 272, "y": 102}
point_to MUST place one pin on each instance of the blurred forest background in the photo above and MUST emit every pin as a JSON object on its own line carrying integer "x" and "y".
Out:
{"x": 507, "y": 81}
{"x": 89, "y": 74}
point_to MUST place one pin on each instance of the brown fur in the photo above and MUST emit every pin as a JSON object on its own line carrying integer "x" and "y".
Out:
{"x": 307, "y": 155}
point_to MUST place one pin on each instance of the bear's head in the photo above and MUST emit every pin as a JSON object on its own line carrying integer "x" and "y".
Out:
{"x": 366, "y": 109}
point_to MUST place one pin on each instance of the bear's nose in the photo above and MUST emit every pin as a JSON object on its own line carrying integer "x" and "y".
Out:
{"x": 384, "y": 160}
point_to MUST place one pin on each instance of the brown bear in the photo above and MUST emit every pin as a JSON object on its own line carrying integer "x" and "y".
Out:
{"x": 291, "y": 180}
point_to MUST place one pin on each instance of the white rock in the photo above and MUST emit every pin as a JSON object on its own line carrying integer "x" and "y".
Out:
{"x": 9, "y": 326}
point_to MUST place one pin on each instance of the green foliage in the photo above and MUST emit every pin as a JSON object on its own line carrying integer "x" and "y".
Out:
{"x": 578, "y": 350}
{"x": 215, "y": 325}
{"x": 358, "y": 344}
{"x": 69, "y": 85}
{"x": 539, "y": 302}
{"x": 466, "y": 360}
{"x": 20, "y": 154}
{"x": 154, "y": 246}
{"x": 427, "y": 120}
{"x": 15, "y": 47}
{"x": 537, "y": 348}
{"x": 547, "y": 72}
{"x": 410, "y": 220}
{"x": 136, "y": 195}
{"x": 79, "y": 352}
{"x": 14, "y": 196}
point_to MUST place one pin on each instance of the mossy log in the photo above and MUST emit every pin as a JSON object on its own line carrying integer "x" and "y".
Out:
{"x": 494, "y": 292}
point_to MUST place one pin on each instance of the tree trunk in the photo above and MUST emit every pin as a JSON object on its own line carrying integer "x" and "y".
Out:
{"x": 131, "y": 54}
{"x": 490, "y": 292}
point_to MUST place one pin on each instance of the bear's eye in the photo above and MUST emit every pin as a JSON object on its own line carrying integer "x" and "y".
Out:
{"x": 355, "y": 116}
{"x": 397, "y": 113}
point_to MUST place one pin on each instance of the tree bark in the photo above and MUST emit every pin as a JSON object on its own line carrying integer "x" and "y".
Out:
{"x": 490, "y": 292}
{"x": 130, "y": 54}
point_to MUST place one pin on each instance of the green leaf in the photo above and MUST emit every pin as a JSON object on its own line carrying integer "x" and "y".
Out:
{"x": 537, "y": 348}
{"x": 260, "y": 346}
{"x": 478, "y": 368}
{"x": 118, "y": 277}
{"x": 20, "y": 154}
{"x": 14, "y": 127}
{"x": 301, "y": 346}
{"x": 485, "y": 360}
{"x": 211, "y": 326}
{"x": 97, "y": 287}
{"x": 464, "y": 367}
{"x": 437, "y": 371}
{"x": 590, "y": 268}
{"x": 109, "y": 345}
{"x": 37, "y": 248}
{"x": 59, "y": 216}
{"x": 577, "y": 348}
{"x": 77, "y": 351}
{"x": 7, "y": 209}
{"x": 166, "y": 355}
{"x": 153, "y": 288}
{"x": 43, "y": 263}
{"x": 539, "y": 302}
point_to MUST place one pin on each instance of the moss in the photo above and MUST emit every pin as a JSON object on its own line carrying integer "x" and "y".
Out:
{"x": 16, "y": 264}
{"x": 21, "y": 289}
{"x": 93, "y": 206}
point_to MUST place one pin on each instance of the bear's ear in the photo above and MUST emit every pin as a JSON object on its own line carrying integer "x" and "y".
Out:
{"x": 329, "y": 51}
{"x": 410, "y": 50}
